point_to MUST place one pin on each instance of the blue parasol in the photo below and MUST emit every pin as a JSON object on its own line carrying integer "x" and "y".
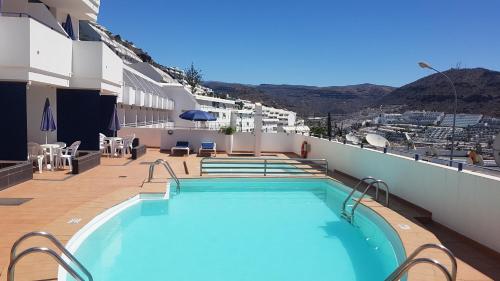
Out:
{"x": 68, "y": 27}
{"x": 114, "y": 123}
{"x": 47, "y": 124}
{"x": 197, "y": 115}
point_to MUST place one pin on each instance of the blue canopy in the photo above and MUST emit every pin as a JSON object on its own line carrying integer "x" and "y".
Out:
{"x": 114, "y": 123}
{"x": 68, "y": 27}
{"x": 197, "y": 115}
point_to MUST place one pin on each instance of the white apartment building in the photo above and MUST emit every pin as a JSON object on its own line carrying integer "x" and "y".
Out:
{"x": 462, "y": 120}
{"x": 273, "y": 119}
{"x": 422, "y": 118}
{"x": 39, "y": 60}
{"x": 388, "y": 118}
{"x": 218, "y": 107}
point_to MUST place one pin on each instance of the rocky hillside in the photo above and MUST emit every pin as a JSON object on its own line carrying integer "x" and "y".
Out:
{"x": 478, "y": 92}
{"x": 306, "y": 100}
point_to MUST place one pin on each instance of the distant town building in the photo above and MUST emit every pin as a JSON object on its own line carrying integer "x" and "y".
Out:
{"x": 388, "y": 118}
{"x": 463, "y": 120}
{"x": 491, "y": 122}
{"x": 422, "y": 118}
{"x": 440, "y": 133}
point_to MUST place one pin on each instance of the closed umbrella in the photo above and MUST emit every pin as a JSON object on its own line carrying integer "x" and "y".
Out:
{"x": 68, "y": 27}
{"x": 48, "y": 124}
{"x": 197, "y": 115}
{"x": 114, "y": 123}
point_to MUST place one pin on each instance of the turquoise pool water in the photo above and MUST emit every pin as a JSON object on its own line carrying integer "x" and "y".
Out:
{"x": 240, "y": 229}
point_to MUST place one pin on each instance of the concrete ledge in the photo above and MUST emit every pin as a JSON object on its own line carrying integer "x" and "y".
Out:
{"x": 85, "y": 161}
{"x": 138, "y": 151}
{"x": 12, "y": 173}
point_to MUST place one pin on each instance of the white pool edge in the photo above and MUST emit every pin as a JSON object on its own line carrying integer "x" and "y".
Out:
{"x": 81, "y": 235}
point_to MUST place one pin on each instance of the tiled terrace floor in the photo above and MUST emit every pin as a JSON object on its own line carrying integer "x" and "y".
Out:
{"x": 59, "y": 197}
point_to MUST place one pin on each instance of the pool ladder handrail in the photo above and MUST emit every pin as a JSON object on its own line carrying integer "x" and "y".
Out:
{"x": 370, "y": 181}
{"x": 411, "y": 261}
{"x": 14, "y": 258}
{"x": 167, "y": 167}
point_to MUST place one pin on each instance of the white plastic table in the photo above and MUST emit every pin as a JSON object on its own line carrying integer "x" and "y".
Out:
{"x": 51, "y": 148}
{"x": 113, "y": 141}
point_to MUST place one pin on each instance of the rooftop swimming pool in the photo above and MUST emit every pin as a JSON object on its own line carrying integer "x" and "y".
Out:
{"x": 238, "y": 229}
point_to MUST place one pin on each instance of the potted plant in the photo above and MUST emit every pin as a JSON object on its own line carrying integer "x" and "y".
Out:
{"x": 229, "y": 132}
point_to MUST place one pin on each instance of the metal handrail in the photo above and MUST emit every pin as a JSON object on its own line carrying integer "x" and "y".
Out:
{"x": 371, "y": 181}
{"x": 378, "y": 182}
{"x": 51, "y": 253}
{"x": 56, "y": 242}
{"x": 355, "y": 188}
{"x": 401, "y": 271}
{"x": 269, "y": 164}
{"x": 364, "y": 193}
{"x": 167, "y": 167}
{"x": 405, "y": 265}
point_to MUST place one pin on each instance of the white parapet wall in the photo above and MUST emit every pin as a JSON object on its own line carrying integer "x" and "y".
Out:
{"x": 165, "y": 138}
{"x": 467, "y": 202}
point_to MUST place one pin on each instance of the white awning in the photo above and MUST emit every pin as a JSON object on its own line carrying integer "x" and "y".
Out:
{"x": 138, "y": 83}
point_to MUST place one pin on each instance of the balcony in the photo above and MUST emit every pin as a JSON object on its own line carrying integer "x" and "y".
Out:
{"x": 128, "y": 96}
{"x": 168, "y": 104}
{"x": 95, "y": 66}
{"x": 84, "y": 9}
{"x": 32, "y": 51}
{"x": 140, "y": 98}
{"x": 154, "y": 101}
{"x": 147, "y": 99}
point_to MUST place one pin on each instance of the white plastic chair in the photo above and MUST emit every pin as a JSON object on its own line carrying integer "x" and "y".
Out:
{"x": 68, "y": 154}
{"x": 36, "y": 154}
{"x": 125, "y": 146}
{"x": 103, "y": 144}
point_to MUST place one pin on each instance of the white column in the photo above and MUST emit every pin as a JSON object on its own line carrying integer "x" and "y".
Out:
{"x": 233, "y": 120}
{"x": 258, "y": 130}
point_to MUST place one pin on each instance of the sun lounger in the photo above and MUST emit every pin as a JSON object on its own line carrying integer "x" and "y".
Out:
{"x": 208, "y": 148}
{"x": 180, "y": 146}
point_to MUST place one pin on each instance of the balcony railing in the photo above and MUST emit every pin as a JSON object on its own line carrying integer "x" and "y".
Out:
{"x": 30, "y": 48}
{"x": 150, "y": 124}
{"x": 25, "y": 15}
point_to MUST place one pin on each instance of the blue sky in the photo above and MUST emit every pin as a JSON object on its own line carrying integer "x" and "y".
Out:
{"x": 315, "y": 42}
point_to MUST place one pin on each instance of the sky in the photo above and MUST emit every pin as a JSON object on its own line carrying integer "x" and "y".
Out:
{"x": 314, "y": 42}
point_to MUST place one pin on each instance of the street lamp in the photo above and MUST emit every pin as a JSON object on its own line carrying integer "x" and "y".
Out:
{"x": 426, "y": 65}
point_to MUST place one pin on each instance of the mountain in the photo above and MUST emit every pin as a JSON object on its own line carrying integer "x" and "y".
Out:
{"x": 306, "y": 100}
{"x": 478, "y": 91}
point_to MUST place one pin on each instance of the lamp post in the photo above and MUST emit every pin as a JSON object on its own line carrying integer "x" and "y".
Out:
{"x": 426, "y": 65}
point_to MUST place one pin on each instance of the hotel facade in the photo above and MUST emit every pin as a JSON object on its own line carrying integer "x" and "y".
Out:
{"x": 84, "y": 72}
